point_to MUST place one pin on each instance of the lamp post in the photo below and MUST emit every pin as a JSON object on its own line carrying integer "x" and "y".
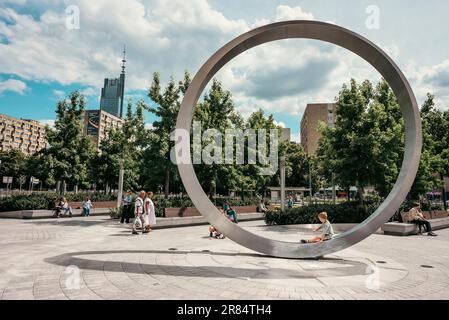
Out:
{"x": 310, "y": 183}
{"x": 120, "y": 184}
{"x": 284, "y": 137}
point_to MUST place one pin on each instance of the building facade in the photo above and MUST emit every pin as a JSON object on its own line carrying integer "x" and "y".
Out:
{"x": 112, "y": 96}
{"x": 113, "y": 93}
{"x": 97, "y": 124}
{"x": 26, "y": 135}
{"x": 313, "y": 116}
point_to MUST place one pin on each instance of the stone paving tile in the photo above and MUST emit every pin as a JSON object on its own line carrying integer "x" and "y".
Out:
{"x": 144, "y": 267}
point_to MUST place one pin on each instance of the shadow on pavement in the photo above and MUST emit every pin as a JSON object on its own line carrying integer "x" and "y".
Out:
{"x": 262, "y": 270}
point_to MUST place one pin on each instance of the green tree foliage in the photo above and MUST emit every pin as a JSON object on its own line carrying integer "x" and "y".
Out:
{"x": 166, "y": 108}
{"x": 217, "y": 111}
{"x": 435, "y": 158}
{"x": 365, "y": 148}
{"x": 13, "y": 164}
{"x": 125, "y": 144}
{"x": 70, "y": 149}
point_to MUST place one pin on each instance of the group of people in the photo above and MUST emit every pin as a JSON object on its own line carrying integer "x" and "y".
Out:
{"x": 230, "y": 213}
{"x": 416, "y": 216}
{"x": 63, "y": 208}
{"x": 144, "y": 212}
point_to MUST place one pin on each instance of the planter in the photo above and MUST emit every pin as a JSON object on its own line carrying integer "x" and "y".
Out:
{"x": 193, "y": 212}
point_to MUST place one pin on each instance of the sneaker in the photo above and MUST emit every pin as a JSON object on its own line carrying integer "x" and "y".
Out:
{"x": 135, "y": 232}
{"x": 431, "y": 234}
{"x": 303, "y": 241}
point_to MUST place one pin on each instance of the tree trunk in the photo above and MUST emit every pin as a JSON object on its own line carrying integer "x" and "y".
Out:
{"x": 360, "y": 192}
{"x": 444, "y": 193}
{"x": 167, "y": 183}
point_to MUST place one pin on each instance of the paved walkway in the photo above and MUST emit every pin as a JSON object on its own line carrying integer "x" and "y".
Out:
{"x": 97, "y": 258}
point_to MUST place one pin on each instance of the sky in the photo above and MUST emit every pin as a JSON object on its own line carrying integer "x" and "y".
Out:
{"x": 45, "y": 54}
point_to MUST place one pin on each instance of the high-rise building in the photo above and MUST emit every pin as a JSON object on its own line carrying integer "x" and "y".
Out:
{"x": 313, "y": 115}
{"x": 26, "y": 135}
{"x": 113, "y": 92}
{"x": 97, "y": 123}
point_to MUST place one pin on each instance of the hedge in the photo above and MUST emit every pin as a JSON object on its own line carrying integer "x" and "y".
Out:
{"x": 348, "y": 212}
{"x": 46, "y": 201}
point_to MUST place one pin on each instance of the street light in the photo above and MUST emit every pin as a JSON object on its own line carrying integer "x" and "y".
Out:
{"x": 120, "y": 184}
{"x": 284, "y": 137}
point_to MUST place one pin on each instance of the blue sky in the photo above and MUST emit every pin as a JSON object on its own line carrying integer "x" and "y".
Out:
{"x": 42, "y": 59}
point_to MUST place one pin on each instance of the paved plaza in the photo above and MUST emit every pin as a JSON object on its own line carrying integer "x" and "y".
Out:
{"x": 97, "y": 258}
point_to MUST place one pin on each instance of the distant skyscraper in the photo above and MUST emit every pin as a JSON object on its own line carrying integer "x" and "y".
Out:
{"x": 113, "y": 92}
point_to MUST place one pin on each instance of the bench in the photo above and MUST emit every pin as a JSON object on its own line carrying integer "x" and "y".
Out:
{"x": 193, "y": 212}
{"x": 438, "y": 220}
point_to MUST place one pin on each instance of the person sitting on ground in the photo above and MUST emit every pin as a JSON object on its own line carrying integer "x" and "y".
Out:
{"x": 261, "y": 207}
{"x": 416, "y": 216}
{"x": 230, "y": 212}
{"x": 327, "y": 232}
{"x": 213, "y": 231}
{"x": 65, "y": 206}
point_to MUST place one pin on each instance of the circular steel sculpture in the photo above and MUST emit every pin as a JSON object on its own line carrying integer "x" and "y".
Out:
{"x": 364, "y": 49}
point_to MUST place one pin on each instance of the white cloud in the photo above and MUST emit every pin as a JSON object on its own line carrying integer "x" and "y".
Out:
{"x": 172, "y": 36}
{"x": 280, "y": 124}
{"x": 13, "y": 85}
{"x": 59, "y": 94}
{"x": 164, "y": 36}
{"x": 50, "y": 123}
{"x": 432, "y": 79}
{"x": 292, "y": 13}
{"x": 88, "y": 92}
{"x": 296, "y": 137}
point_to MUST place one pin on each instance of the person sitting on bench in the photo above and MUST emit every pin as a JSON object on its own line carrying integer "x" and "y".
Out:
{"x": 416, "y": 216}
{"x": 230, "y": 212}
{"x": 261, "y": 208}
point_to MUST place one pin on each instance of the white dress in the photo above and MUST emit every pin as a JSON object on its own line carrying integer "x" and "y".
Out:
{"x": 151, "y": 212}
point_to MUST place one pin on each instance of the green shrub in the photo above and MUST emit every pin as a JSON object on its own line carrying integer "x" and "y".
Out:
{"x": 348, "y": 212}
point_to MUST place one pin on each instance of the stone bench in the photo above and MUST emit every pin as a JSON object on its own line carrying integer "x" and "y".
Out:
{"x": 438, "y": 220}
{"x": 193, "y": 212}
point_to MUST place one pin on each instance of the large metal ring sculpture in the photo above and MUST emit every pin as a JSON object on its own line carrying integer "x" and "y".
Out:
{"x": 358, "y": 45}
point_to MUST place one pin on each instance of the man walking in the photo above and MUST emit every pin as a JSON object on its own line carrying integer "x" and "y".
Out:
{"x": 127, "y": 203}
{"x": 139, "y": 211}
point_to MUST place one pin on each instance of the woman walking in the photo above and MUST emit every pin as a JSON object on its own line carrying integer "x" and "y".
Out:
{"x": 150, "y": 211}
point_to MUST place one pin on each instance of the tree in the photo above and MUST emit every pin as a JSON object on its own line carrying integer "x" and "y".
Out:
{"x": 217, "y": 111}
{"x": 434, "y": 163}
{"x": 13, "y": 164}
{"x": 366, "y": 145}
{"x": 70, "y": 150}
{"x": 166, "y": 109}
{"x": 125, "y": 144}
{"x": 41, "y": 165}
